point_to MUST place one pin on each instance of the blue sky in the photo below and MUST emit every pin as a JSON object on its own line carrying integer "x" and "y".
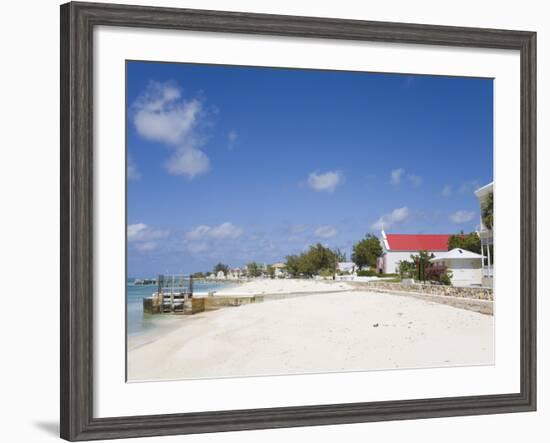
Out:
{"x": 236, "y": 164}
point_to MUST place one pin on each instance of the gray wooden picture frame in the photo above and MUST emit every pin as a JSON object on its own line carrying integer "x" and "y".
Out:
{"x": 77, "y": 24}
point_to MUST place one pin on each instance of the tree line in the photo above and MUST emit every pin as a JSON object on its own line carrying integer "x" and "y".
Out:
{"x": 322, "y": 260}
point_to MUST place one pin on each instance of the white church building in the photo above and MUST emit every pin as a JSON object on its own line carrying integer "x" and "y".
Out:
{"x": 398, "y": 247}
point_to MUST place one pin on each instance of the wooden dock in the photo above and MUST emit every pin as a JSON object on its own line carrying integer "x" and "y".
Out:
{"x": 175, "y": 295}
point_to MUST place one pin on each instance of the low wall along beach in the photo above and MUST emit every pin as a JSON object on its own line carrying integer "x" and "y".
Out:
{"x": 469, "y": 298}
{"x": 453, "y": 291}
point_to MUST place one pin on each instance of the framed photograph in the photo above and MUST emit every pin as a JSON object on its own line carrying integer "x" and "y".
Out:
{"x": 272, "y": 221}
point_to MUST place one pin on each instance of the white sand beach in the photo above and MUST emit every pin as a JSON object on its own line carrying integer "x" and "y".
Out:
{"x": 286, "y": 286}
{"x": 346, "y": 331}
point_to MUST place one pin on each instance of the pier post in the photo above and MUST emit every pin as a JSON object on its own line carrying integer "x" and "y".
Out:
{"x": 172, "y": 295}
{"x": 160, "y": 295}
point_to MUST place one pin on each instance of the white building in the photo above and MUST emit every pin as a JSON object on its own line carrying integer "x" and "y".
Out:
{"x": 234, "y": 274}
{"x": 398, "y": 247}
{"x": 347, "y": 267}
{"x": 486, "y": 237}
{"x": 280, "y": 270}
{"x": 465, "y": 266}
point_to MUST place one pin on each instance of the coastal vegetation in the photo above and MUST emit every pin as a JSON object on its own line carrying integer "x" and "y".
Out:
{"x": 254, "y": 269}
{"x": 318, "y": 259}
{"x": 469, "y": 242}
{"x": 422, "y": 269}
{"x": 367, "y": 273}
{"x": 487, "y": 211}
{"x": 366, "y": 251}
{"x": 374, "y": 273}
{"x": 221, "y": 267}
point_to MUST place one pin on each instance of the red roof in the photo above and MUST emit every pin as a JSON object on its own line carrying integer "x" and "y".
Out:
{"x": 418, "y": 242}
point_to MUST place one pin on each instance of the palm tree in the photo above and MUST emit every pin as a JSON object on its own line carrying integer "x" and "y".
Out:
{"x": 487, "y": 211}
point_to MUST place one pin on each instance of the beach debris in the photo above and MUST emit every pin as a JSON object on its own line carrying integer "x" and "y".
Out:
{"x": 375, "y": 325}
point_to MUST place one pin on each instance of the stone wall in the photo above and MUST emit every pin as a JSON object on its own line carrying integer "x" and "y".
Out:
{"x": 453, "y": 291}
{"x": 151, "y": 305}
{"x": 194, "y": 306}
{"x": 221, "y": 301}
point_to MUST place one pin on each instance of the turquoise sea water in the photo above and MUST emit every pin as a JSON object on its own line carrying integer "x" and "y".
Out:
{"x": 138, "y": 322}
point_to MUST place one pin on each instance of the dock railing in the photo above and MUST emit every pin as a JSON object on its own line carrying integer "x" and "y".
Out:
{"x": 173, "y": 291}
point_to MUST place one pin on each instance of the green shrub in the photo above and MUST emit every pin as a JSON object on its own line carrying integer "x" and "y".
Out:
{"x": 407, "y": 269}
{"x": 326, "y": 272}
{"x": 469, "y": 242}
{"x": 367, "y": 273}
{"x": 316, "y": 259}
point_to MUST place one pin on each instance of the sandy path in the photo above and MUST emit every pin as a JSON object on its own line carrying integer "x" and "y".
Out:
{"x": 317, "y": 333}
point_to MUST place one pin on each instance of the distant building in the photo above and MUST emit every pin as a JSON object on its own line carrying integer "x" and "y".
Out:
{"x": 347, "y": 267}
{"x": 234, "y": 274}
{"x": 280, "y": 270}
{"x": 465, "y": 266}
{"x": 220, "y": 274}
{"x": 398, "y": 247}
{"x": 486, "y": 237}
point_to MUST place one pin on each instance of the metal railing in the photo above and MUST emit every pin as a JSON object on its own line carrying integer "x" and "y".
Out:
{"x": 173, "y": 291}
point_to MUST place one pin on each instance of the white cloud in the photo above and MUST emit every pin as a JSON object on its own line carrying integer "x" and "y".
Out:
{"x": 462, "y": 216}
{"x": 325, "y": 182}
{"x": 145, "y": 238}
{"x": 189, "y": 162}
{"x": 140, "y": 232}
{"x": 221, "y": 232}
{"x": 232, "y": 137}
{"x": 134, "y": 230}
{"x": 395, "y": 176}
{"x": 225, "y": 230}
{"x": 446, "y": 191}
{"x": 162, "y": 115}
{"x": 416, "y": 180}
{"x": 469, "y": 186}
{"x": 326, "y": 231}
{"x": 198, "y": 233}
{"x": 297, "y": 229}
{"x": 386, "y": 221}
{"x": 198, "y": 247}
{"x": 146, "y": 246}
{"x": 132, "y": 173}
